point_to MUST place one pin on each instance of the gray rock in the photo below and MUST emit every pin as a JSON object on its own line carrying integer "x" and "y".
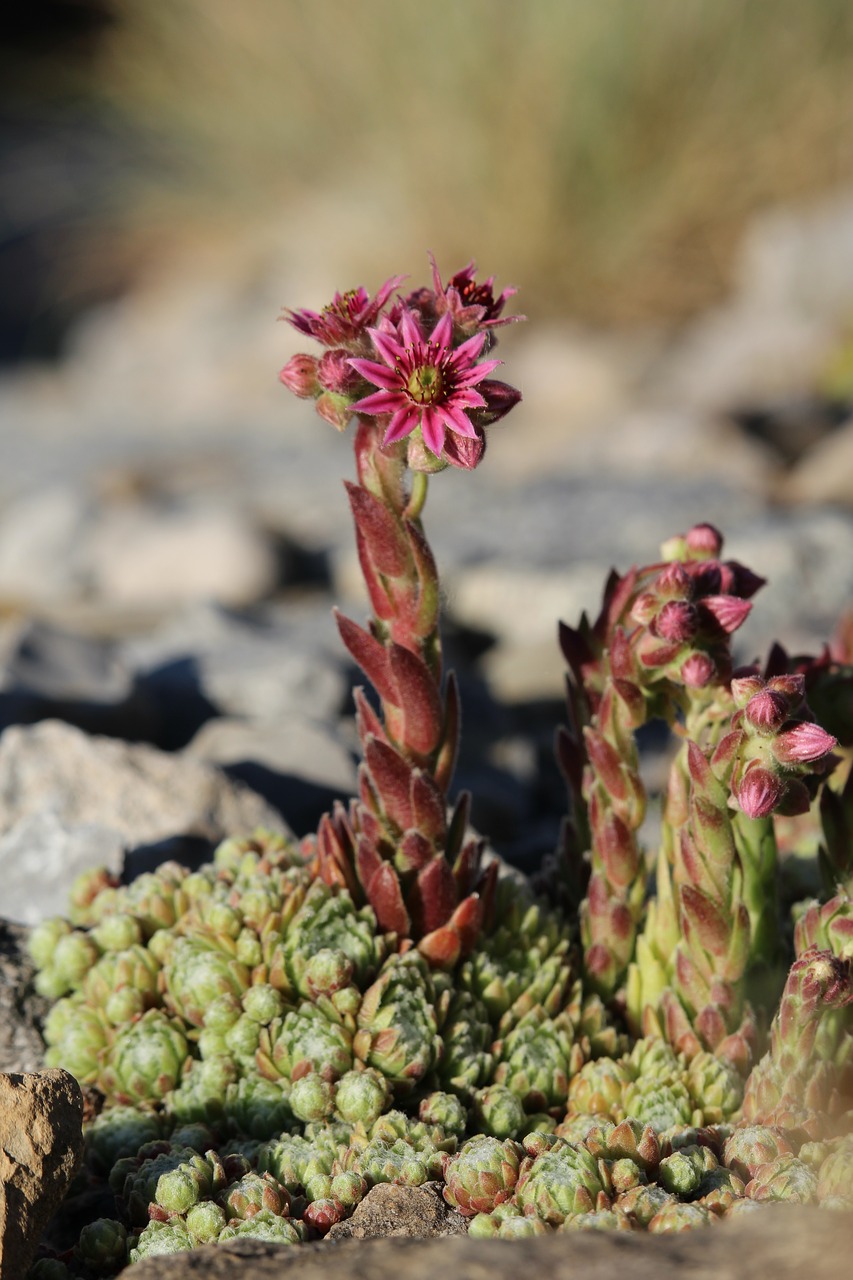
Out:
{"x": 64, "y": 795}
{"x": 296, "y": 763}
{"x": 141, "y": 556}
{"x": 41, "y": 1143}
{"x": 280, "y": 660}
{"x": 825, "y": 474}
{"x": 784, "y": 1241}
{"x": 50, "y": 672}
{"x": 22, "y": 1010}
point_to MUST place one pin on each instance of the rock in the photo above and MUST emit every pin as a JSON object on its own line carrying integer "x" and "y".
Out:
{"x": 742, "y": 353}
{"x": 801, "y": 259}
{"x": 143, "y": 556}
{"x": 825, "y": 474}
{"x": 41, "y": 534}
{"x": 68, "y": 801}
{"x": 41, "y": 1143}
{"x": 49, "y": 672}
{"x": 389, "y": 1210}
{"x": 294, "y": 762}
{"x": 280, "y": 659}
{"x": 783, "y": 1241}
{"x": 22, "y": 1010}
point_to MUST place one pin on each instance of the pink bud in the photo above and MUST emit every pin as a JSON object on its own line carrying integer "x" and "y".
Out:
{"x": 334, "y": 409}
{"x": 698, "y": 671}
{"x": 500, "y": 397}
{"x": 803, "y": 743}
{"x": 766, "y": 711}
{"x": 745, "y": 687}
{"x": 758, "y": 792}
{"x": 644, "y": 609}
{"x": 299, "y": 375}
{"x": 673, "y": 583}
{"x": 336, "y": 373}
{"x": 729, "y": 612}
{"x": 704, "y": 541}
{"x": 792, "y": 688}
{"x": 677, "y": 620}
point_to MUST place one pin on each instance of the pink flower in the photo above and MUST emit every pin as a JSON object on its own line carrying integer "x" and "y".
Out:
{"x": 344, "y": 320}
{"x": 471, "y": 306}
{"x": 425, "y": 382}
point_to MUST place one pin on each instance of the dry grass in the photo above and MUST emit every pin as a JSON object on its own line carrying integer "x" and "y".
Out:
{"x": 604, "y": 152}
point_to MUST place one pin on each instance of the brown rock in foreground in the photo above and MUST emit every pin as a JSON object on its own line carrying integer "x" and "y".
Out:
{"x": 389, "y": 1210}
{"x": 782, "y": 1242}
{"x": 41, "y": 1141}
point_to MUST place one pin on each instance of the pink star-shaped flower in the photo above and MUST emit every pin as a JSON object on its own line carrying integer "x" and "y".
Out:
{"x": 424, "y": 382}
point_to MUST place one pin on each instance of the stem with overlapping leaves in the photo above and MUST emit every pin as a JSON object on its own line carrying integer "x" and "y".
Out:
{"x": 395, "y": 846}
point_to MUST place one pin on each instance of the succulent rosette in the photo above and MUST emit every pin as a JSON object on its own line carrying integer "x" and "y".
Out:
{"x": 482, "y": 1175}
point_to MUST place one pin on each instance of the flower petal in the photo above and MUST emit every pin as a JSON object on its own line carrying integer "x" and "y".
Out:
{"x": 380, "y": 374}
{"x": 380, "y": 402}
{"x": 470, "y": 377}
{"x": 432, "y": 429}
{"x": 443, "y": 332}
{"x": 387, "y": 346}
{"x": 458, "y": 421}
{"x": 402, "y": 424}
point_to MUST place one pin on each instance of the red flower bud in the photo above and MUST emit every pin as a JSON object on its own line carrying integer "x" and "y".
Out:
{"x": 499, "y": 396}
{"x": 704, "y": 541}
{"x": 698, "y": 671}
{"x": 729, "y": 612}
{"x": 803, "y": 743}
{"x": 334, "y": 409}
{"x": 673, "y": 583}
{"x": 677, "y": 620}
{"x": 299, "y": 375}
{"x": 745, "y": 687}
{"x": 336, "y": 373}
{"x": 766, "y": 711}
{"x": 644, "y": 609}
{"x": 758, "y": 792}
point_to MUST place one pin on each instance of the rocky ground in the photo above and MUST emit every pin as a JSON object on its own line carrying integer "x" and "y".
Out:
{"x": 173, "y": 533}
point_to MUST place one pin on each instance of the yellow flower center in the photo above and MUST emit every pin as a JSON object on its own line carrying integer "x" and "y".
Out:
{"x": 426, "y": 384}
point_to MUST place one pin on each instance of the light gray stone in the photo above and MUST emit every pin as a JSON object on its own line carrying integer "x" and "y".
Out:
{"x": 22, "y": 1010}
{"x": 73, "y": 801}
{"x": 281, "y": 660}
{"x": 142, "y": 556}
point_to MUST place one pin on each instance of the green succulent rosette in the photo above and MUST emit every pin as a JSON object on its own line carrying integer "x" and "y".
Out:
{"x": 397, "y": 1025}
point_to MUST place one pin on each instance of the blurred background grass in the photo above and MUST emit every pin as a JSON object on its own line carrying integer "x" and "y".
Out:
{"x": 604, "y": 153}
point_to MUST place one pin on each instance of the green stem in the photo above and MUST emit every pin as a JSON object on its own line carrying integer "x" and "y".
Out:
{"x": 417, "y": 497}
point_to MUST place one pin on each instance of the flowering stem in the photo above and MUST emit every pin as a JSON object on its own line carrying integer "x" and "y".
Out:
{"x": 417, "y": 497}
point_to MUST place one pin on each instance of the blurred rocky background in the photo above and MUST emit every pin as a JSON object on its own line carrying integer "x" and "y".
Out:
{"x": 671, "y": 186}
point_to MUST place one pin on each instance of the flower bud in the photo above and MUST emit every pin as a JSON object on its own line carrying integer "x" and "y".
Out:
{"x": 758, "y": 792}
{"x": 704, "y": 541}
{"x": 697, "y": 671}
{"x": 745, "y": 687}
{"x": 673, "y": 583}
{"x": 334, "y": 409}
{"x": 677, "y": 620}
{"x": 299, "y": 375}
{"x": 335, "y": 373}
{"x": 766, "y": 711}
{"x": 803, "y": 743}
{"x": 645, "y": 607}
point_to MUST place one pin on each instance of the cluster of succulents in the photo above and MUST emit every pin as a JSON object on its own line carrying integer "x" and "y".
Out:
{"x": 263, "y": 1040}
